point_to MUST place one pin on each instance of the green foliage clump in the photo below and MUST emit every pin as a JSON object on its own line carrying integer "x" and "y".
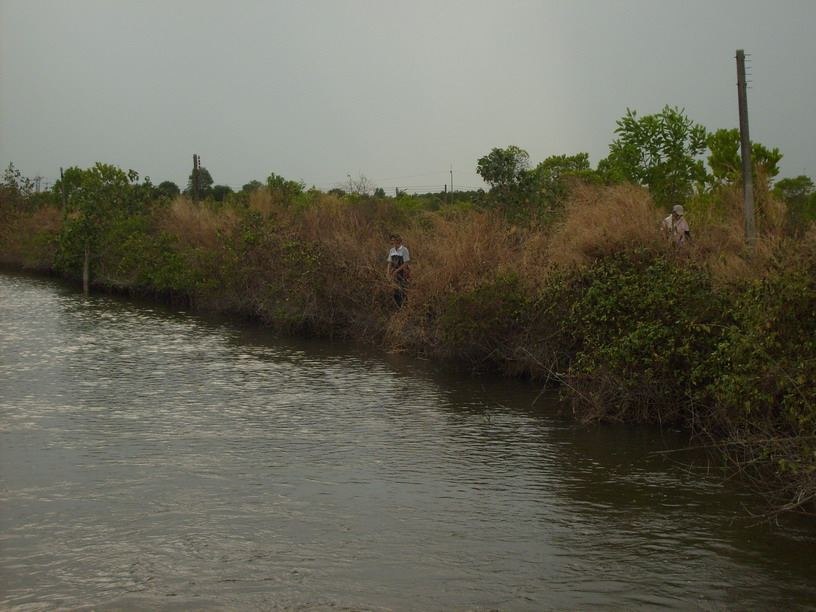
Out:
{"x": 297, "y": 291}
{"x": 643, "y": 325}
{"x": 661, "y": 152}
{"x": 136, "y": 258}
{"x": 15, "y": 190}
{"x": 762, "y": 388}
{"x": 552, "y": 178}
{"x": 504, "y": 169}
{"x": 94, "y": 199}
{"x": 766, "y": 365}
{"x": 286, "y": 190}
{"x": 531, "y": 195}
{"x": 725, "y": 159}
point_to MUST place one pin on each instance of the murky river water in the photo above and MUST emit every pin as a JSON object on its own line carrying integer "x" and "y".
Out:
{"x": 154, "y": 459}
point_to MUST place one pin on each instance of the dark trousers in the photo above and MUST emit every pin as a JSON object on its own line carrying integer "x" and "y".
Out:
{"x": 399, "y": 293}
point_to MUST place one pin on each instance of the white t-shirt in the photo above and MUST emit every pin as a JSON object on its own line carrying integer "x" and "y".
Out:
{"x": 401, "y": 251}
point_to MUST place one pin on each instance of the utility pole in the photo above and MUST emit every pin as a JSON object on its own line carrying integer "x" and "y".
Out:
{"x": 64, "y": 191}
{"x": 745, "y": 149}
{"x": 196, "y": 178}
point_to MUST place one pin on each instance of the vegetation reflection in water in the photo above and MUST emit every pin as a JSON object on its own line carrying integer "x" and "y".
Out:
{"x": 155, "y": 459}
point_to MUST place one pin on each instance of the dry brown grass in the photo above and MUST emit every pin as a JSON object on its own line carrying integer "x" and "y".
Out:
{"x": 719, "y": 235}
{"x": 17, "y": 244}
{"x": 195, "y": 225}
{"x": 602, "y": 221}
{"x": 450, "y": 253}
{"x": 455, "y": 253}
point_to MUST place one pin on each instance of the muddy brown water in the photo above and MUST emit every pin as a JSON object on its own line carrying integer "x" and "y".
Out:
{"x": 152, "y": 458}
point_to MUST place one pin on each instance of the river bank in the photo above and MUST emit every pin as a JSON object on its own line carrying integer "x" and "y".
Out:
{"x": 716, "y": 336}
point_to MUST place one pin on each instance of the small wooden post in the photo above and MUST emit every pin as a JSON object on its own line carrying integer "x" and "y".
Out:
{"x": 86, "y": 268}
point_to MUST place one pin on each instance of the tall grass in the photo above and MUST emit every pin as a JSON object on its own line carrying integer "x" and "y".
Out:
{"x": 27, "y": 239}
{"x": 601, "y": 221}
{"x": 196, "y": 226}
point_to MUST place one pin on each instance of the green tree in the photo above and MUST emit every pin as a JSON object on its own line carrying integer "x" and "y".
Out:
{"x": 799, "y": 195}
{"x": 661, "y": 152}
{"x": 15, "y": 189}
{"x": 168, "y": 189}
{"x": 219, "y": 193}
{"x": 93, "y": 198}
{"x": 796, "y": 189}
{"x": 285, "y": 191}
{"x": 275, "y": 182}
{"x": 16, "y": 182}
{"x": 552, "y": 179}
{"x": 145, "y": 194}
{"x": 608, "y": 173}
{"x": 252, "y": 186}
{"x": 725, "y": 158}
{"x": 205, "y": 182}
{"x": 504, "y": 169}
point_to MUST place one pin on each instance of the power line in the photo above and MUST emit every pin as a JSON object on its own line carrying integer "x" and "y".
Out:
{"x": 397, "y": 178}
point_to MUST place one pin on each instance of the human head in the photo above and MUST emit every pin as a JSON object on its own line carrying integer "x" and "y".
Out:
{"x": 678, "y": 210}
{"x": 395, "y": 239}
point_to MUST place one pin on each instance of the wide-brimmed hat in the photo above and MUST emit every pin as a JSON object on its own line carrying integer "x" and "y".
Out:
{"x": 678, "y": 208}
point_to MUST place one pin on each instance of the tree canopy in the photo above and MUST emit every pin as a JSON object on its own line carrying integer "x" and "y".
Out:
{"x": 725, "y": 159}
{"x": 205, "y": 182}
{"x": 503, "y": 169}
{"x": 661, "y": 152}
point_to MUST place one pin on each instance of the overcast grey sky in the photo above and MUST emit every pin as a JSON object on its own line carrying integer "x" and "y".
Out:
{"x": 398, "y": 91}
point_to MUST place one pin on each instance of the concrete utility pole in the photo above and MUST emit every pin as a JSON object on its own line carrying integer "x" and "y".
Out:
{"x": 64, "y": 192}
{"x": 196, "y": 175}
{"x": 745, "y": 149}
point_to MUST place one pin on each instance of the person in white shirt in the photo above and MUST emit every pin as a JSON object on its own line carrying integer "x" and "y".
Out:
{"x": 676, "y": 225}
{"x": 399, "y": 269}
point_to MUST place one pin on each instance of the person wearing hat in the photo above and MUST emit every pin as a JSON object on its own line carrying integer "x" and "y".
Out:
{"x": 676, "y": 225}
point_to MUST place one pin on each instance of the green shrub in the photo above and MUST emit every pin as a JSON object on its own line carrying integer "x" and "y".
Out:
{"x": 643, "y": 325}
{"x": 766, "y": 368}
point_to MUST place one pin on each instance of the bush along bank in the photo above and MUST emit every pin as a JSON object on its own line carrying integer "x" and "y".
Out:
{"x": 714, "y": 336}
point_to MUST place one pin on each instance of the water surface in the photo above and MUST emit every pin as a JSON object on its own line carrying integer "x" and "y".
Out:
{"x": 155, "y": 459}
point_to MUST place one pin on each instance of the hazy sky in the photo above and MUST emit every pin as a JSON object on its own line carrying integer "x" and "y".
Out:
{"x": 398, "y": 91}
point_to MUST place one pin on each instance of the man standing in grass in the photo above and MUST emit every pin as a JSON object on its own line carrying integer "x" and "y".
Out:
{"x": 676, "y": 225}
{"x": 398, "y": 267}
